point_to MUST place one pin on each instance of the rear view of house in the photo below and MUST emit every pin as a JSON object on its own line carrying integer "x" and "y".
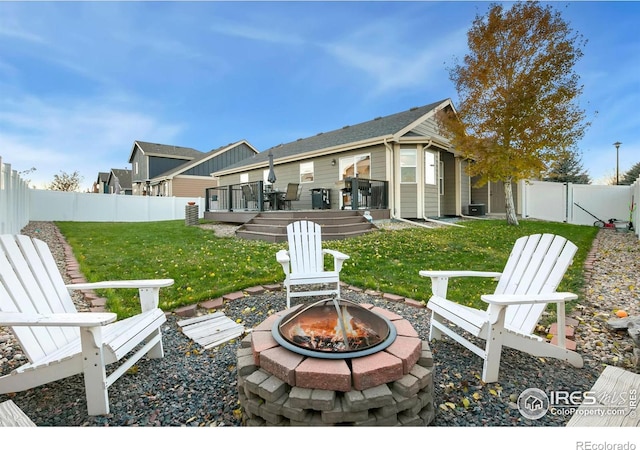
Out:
{"x": 402, "y": 164}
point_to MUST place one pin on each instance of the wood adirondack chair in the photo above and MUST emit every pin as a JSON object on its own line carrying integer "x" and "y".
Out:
{"x": 303, "y": 263}
{"x": 527, "y": 284}
{"x": 58, "y": 340}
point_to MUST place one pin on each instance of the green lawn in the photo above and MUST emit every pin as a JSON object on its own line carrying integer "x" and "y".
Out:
{"x": 205, "y": 266}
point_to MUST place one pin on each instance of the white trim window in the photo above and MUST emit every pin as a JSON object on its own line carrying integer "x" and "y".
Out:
{"x": 355, "y": 166}
{"x": 408, "y": 165}
{"x": 306, "y": 172}
{"x": 441, "y": 177}
{"x": 429, "y": 168}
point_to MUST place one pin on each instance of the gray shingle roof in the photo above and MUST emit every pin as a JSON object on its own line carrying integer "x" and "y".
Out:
{"x": 124, "y": 177}
{"x": 378, "y": 127}
{"x": 168, "y": 150}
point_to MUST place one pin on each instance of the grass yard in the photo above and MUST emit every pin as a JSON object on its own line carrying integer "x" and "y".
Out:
{"x": 205, "y": 266}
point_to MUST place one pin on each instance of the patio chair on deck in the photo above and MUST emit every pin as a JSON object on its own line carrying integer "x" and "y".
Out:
{"x": 58, "y": 340}
{"x": 249, "y": 197}
{"x": 292, "y": 194}
{"x": 527, "y": 284}
{"x": 303, "y": 263}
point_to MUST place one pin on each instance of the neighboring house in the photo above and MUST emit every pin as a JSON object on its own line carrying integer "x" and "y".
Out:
{"x": 101, "y": 185}
{"x": 171, "y": 171}
{"x": 119, "y": 182}
{"x": 426, "y": 177}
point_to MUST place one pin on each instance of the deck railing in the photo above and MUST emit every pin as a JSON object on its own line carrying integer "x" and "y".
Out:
{"x": 357, "y": 193}
{"x": 236, "y": 197}
{"x": 365, "y": 193}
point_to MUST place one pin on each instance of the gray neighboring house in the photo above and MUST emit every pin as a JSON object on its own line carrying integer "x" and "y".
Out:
{"x": 172, "y": 171}
{"x": 101, "y": 185}
{"x": 119, "y": 182}
{"x": 426, "y": 178}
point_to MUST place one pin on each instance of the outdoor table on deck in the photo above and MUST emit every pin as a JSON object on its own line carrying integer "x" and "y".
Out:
{"x": 274, "y": 198}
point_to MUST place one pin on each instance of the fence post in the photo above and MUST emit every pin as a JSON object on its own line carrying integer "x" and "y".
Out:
{"x": 14, "y": 200}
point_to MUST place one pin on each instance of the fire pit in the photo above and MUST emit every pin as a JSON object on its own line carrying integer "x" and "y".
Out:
{"x": 295, "y": 369}
{"x": 319, "y": 330}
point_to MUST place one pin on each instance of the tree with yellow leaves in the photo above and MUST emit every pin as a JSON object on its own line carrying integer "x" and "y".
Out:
{"x": 516, "y": 112}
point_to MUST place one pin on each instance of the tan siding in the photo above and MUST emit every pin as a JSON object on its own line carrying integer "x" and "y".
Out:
{"x": 479, "y": 194}
{"x": 191, "y": 187}
{"x": 409, "y": 201}
{"x": 465, "y": 186}
{"x": 448, "y": 200}
{"x": 430, "y": 200}
{"x": 428, "y": 128}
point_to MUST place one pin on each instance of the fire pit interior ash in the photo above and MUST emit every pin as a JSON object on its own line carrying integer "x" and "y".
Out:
{"x": 319, "y": 330}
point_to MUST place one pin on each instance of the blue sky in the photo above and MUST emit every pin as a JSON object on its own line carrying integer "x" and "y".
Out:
{"x": 80, "y": 81}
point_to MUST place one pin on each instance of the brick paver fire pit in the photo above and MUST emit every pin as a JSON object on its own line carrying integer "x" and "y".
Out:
{"x": 394, "y": 386}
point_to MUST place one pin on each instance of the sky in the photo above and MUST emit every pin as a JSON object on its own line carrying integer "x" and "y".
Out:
{"x": 81, "y": 81}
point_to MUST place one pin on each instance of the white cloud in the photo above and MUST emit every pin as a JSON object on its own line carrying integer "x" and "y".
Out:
{"x": 84, "y": 136}
{"x": 390, "y": 64}
{"x": 256, "y": 33}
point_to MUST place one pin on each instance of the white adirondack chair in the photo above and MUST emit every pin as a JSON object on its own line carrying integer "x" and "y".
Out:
{"x": 303, "y": 263}
{"x": 527, "y": 284}
{"x": 58, "y": 340}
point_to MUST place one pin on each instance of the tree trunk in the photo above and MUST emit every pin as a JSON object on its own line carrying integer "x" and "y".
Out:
{"x": 512, "y": 219}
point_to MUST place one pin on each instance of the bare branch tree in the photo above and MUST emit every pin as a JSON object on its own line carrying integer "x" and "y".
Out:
{"x": 66, "y": 182}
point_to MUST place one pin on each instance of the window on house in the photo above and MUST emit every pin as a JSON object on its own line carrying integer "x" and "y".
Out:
{"x": 429, "y": 168}
{"x": 441, "y": 177}
{"x": 408, "y": 164}
{"x": 244, "y": 178}
{"x": 306, "y": 172}
{"x": 355, "y": 166}
{"x": 136, "y": 168}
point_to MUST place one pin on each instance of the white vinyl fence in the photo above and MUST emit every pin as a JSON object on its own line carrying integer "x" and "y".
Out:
{"x": 82, "y": 207}
{"x": 14, "y": 200}
{"x": 581, "y": 204}
{"x": 19, "y": 205}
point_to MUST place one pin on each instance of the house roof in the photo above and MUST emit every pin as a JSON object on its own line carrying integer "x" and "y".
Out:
{"x": 124, "y": 177}
{"x": 391, "y": 127}
{"x": 202, "y": 157}
{"x": 103, "y": 177}
{"x": 153, "y": 149}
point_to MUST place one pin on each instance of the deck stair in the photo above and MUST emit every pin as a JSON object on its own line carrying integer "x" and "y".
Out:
{"x": 272, "y": 227}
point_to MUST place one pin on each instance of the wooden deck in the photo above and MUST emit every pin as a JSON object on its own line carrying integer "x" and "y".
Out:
{"x": 618, "y": 393}
{"x": 271, "y": 226}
